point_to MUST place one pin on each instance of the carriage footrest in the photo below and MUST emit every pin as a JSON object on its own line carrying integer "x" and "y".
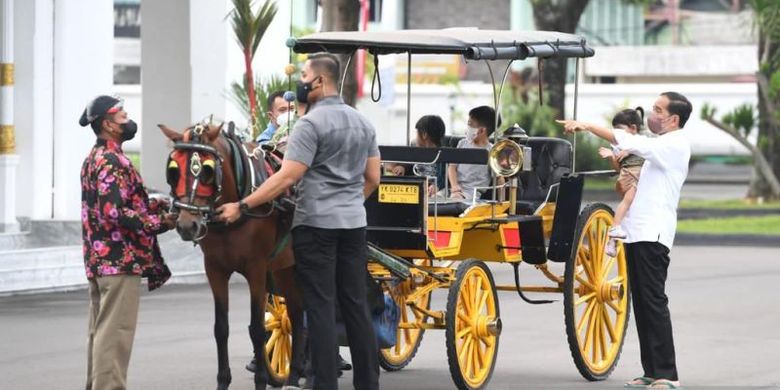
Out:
{"x": 396, "y": 265}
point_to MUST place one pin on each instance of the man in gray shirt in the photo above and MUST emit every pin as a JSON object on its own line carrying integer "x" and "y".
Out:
{"x": 333, "y": 152}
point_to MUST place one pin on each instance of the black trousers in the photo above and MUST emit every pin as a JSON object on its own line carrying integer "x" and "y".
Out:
{"x": 647, "y": 267}
{"x": 331, "y": 267}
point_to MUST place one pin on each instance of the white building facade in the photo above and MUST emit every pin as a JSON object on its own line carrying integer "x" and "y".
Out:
{"x": 61, "y": 53}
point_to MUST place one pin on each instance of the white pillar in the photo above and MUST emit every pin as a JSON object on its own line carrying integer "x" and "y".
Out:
{"x": 184, "y": 77}
{"x": 9, "y": 160}
{"x": 34, "y": 106}
{"x": 83, "y": 68}
{"x": 165, "y": 81}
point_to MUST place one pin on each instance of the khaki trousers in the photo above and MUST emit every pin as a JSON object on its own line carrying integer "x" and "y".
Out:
{"x": 113, "y": 313}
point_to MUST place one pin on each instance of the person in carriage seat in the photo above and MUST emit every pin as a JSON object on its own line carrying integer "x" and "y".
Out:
{"x": 430, "y": 131}
{"x": 278, "y": 117}
{"x": 120, "y": 227}
{"x": 466, "y": 178}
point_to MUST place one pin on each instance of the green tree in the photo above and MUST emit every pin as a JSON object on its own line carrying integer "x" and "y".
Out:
{"x": 249, "y": 29}
{"x": 343, "y": 15}
{"x": 767, "y": 19}
{"x": 741, "y": 121}
{"x": 562, "y": 16}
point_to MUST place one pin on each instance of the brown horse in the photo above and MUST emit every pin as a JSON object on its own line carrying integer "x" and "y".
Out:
{"x": 203, "y": 171}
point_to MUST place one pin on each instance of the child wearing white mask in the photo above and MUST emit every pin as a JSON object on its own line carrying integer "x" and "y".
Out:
{"x": 628, "y": 167}
{"x": 465, "y": 178}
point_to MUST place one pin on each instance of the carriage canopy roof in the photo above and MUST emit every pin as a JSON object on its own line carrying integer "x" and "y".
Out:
{"x": 472, "y": 43}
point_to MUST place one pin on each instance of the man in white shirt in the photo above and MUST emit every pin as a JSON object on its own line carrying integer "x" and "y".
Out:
{"x": 650, "y": 226}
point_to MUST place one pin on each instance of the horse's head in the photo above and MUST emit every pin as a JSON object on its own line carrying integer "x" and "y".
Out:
{"x": 196, "y": 172}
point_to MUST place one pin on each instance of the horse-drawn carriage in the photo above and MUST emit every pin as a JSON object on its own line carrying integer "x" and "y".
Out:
{"x": 419, "y": 244}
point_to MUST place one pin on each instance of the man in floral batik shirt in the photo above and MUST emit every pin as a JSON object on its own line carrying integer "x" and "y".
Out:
{"x": 119, "y": 227}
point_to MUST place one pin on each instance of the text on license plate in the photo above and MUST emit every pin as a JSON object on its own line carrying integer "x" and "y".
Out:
{"x": 399, "y": 193}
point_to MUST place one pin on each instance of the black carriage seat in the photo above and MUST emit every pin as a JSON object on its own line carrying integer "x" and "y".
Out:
{"x": 551, "y": 158}
{"x": 447, "y": 209}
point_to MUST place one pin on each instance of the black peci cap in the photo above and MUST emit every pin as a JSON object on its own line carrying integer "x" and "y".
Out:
{"x": 99, "y": 107}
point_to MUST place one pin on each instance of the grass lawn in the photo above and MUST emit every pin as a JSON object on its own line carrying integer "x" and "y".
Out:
{"x": 135, "y": 158}
{"x": 601, "y": 183}
{"x": 764, "y": 225}
{"x": 726, "y": 204}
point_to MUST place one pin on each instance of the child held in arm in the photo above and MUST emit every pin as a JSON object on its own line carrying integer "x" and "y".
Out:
{"x": 628, "y": 167}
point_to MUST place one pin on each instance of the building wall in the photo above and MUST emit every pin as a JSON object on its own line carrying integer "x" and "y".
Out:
{"x": 438, "y": 14}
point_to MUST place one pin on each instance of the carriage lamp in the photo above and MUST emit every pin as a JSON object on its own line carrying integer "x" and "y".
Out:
{"x": 520, "y": 136}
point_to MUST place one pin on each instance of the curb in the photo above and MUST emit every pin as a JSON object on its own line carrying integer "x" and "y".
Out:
{"x": 743, "y": 240}
{"x": 703, "y": 213}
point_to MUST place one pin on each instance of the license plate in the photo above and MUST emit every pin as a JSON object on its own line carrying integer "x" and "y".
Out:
{"x": 399, "y": 193}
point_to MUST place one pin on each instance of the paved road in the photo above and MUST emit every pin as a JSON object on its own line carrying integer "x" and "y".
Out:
{"x": 724, "y": 303}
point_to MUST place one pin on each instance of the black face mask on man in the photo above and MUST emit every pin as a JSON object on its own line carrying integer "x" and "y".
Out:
{"x": 302, "y": 91}
{"x": 129, "y": 129}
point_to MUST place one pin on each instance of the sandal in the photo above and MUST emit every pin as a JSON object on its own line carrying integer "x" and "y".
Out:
{"x": 665, "y": 384}
{"x": 639, "y": 382}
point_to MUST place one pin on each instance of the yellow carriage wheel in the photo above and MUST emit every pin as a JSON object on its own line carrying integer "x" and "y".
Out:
{"x": 596, "y": 296}
{"x": 473, "y": 326}
{"x": 407, "y": 340}
{"x": 278, "y": 344}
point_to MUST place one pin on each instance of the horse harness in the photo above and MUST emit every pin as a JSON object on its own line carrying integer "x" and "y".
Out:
{"x": 202, "y": 164}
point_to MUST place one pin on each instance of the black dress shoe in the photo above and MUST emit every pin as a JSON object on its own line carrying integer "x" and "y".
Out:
{"x": 343, "y": 365}
{"x": 251, "y": 366}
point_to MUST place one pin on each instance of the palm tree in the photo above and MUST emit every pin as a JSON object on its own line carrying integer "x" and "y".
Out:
{"x": 249, "y": 29}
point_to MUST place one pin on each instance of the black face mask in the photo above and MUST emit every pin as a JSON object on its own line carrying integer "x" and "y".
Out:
{"x": 302, "y": 91}
{"x": 128, "y": 130}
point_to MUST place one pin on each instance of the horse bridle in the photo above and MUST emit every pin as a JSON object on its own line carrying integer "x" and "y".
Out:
{"x": 195, "y": 169}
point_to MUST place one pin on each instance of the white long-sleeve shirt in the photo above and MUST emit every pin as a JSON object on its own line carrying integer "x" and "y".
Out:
{"x": 652, "y": 216}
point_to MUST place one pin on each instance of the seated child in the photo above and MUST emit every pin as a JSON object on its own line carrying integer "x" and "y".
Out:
{"x": 430, "y": 131}
{"x": 628, "y": 167}
{"x": 465, "y": 178}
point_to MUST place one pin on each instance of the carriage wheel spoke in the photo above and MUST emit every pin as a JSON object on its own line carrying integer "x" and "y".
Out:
{"x": 468, "y": 355}
{"x": 609, "y": 326}
{"x": 475, "y": 355}
{"x": 464, "y": 348}
{"x": 602, "y": 337}
{"x": 589, "y": 332}
{"x": 586, "y": 264}
{"x": 483, "y": 301}
{"x": 272, "y": 325}
{"x": 585, "y": 316}
{"x": 615, "y": 307}
{"x": 466, "y": 330}
{"x": 465, "y": 303}
{"x": 596, "y": 334}
{"x": 463, "y": 317}
{"x": 608, "y": 267}
{"x": 477, "y": 302}
{"x": 585, "y": 283}
{"x": 275, "y": 358}
{"x": 271, "y": 343}
{"x": 585, "y": 298}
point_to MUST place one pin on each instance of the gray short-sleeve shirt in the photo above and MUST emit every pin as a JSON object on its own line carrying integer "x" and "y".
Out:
{"x": 471, "y": 176}
{"x": 334, "y": 140}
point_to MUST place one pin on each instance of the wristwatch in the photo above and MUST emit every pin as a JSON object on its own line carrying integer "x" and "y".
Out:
{"x": 242, "y": 206}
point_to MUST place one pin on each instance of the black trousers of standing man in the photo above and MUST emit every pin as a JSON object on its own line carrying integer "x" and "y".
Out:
{"x": 330, "y": 265}
{"x": 647, "y": 267}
